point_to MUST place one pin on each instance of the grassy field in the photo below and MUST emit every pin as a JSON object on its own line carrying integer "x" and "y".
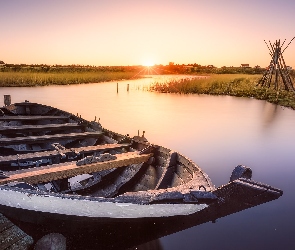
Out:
{"x": 31, "y": 79}
{"x": 240, "y": 85}
{"x": 233, "y": 85}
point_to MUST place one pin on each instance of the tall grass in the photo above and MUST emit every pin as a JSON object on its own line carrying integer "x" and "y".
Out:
{"x": 30, "y": 79}
{"x": 233, "y": 85}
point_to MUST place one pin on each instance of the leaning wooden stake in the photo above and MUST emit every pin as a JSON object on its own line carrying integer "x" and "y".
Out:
{"x": 7, "y": 100}
{"x": 277, "y": 67}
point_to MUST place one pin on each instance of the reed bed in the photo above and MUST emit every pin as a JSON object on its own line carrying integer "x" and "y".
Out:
{"x": 233, "y": 85}
{"x": 31, "y": 79}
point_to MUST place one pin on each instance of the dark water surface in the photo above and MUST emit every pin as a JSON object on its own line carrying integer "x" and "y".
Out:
{"x": 217, "y": 132}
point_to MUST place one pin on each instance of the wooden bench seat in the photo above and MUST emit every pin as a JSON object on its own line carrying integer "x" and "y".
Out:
{"x": 70, "y": 169}
{"x": 35, "y": 128}
{"x": 54, "y": 153}
{"x": 31, "y": 117}
{"x": 46, "y": 138}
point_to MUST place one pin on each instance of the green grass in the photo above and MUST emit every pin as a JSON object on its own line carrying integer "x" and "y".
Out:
{"x": 233, "y": 85}
{"x": 31, "y": 79}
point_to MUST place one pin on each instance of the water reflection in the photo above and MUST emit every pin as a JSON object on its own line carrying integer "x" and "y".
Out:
{"x": 269, "y": 113}
{"x": 217, "y": 132}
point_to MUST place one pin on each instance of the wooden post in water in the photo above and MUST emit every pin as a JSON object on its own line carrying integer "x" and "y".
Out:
{"x": 117, "y": 87}
{"x": 128, "y": 87}
{"x": 7, "y": 100}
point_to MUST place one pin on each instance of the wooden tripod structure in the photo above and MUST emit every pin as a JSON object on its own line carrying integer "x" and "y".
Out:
{"x": 277, "y": 68}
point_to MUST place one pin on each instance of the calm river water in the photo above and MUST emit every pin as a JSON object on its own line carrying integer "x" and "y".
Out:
{"x": 217, "y": 132}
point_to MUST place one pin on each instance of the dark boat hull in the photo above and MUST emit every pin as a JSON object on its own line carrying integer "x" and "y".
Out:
{"x": 121, "y": 233}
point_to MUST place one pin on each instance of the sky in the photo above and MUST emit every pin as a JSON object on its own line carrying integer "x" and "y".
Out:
{"x": 140, "y": 32}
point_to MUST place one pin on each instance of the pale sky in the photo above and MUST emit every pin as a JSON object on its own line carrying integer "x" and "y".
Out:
{"x": 134, "y": 32}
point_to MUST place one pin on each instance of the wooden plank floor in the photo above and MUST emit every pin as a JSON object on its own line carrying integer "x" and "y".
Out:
{"x": 12, "y": 237}
{"x": 44, "y": 138}
{"x": 31, "y": 117}
{"x": 70, "y": 169}
{"x": 53, "y": 153}
{"x": 35, "y": 128}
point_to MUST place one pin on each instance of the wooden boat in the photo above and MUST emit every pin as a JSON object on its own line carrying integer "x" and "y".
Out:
{"x": 63, "y": 174}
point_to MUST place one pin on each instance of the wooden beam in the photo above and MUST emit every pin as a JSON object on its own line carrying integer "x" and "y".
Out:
{"x": 51, "y": 154}
{"x": 46, "y": 138}
{"x": 35, "y": 128}
{"x": 31, "y": 117}
{"x": 61, "y": 171}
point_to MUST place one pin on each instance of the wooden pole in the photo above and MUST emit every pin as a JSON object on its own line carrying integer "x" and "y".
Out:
{"x": 288, "y": 44}
{"x": 117, "y": 87}
{"x": 7, "y": 100}
{"x": 277, "y": 67}
{"x": 128, "y": 87}
{"x": 288, "y": 78}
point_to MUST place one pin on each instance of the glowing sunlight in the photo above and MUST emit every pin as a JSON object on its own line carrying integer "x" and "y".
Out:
{"x": 148, "y": 63}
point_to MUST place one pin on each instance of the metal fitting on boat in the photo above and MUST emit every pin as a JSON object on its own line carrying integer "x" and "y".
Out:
{"x": 241, "y": 171}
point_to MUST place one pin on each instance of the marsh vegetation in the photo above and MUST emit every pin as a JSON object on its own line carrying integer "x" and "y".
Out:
{"x": 22, "y": 75}
{"x": 18, "y": 75}
{"x": 239, "y": 85}
{"x": 31, "y": 79}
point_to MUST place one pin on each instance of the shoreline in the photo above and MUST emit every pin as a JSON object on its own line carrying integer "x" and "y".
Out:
{"x": 238, "y": 85}
{"x": 231, "y": 85}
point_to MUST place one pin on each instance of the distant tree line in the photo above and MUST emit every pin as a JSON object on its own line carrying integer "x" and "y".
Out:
{"x": 171, "y": 68}
{"x": 208, "y": 69}
{"x": 43, "y": 68}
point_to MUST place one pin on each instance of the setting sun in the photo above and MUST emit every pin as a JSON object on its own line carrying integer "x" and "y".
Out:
{"x": 148, "y": 64}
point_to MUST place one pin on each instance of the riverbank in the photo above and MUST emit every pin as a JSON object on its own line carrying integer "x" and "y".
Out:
{"x": 239, "y": 85}
{"x": 32, "y": 79}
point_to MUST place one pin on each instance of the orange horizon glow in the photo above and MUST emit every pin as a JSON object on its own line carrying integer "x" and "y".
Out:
{"x": 129, "y": 32}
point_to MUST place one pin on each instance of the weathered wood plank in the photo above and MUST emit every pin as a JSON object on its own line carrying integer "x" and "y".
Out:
{"x": 35, "y": 128}
{"x": 66, "y": 170}
{"x": 44, "y": 138}
{"x": 4, "y": 223}
{"x": 11, "y": 237}
{"x": 31, "y": 117}
{"x": 51, "y": 154}
{"x": 24, "y": 243}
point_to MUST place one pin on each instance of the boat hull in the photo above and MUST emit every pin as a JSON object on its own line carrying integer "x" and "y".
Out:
{"x": 123, "y": 232}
